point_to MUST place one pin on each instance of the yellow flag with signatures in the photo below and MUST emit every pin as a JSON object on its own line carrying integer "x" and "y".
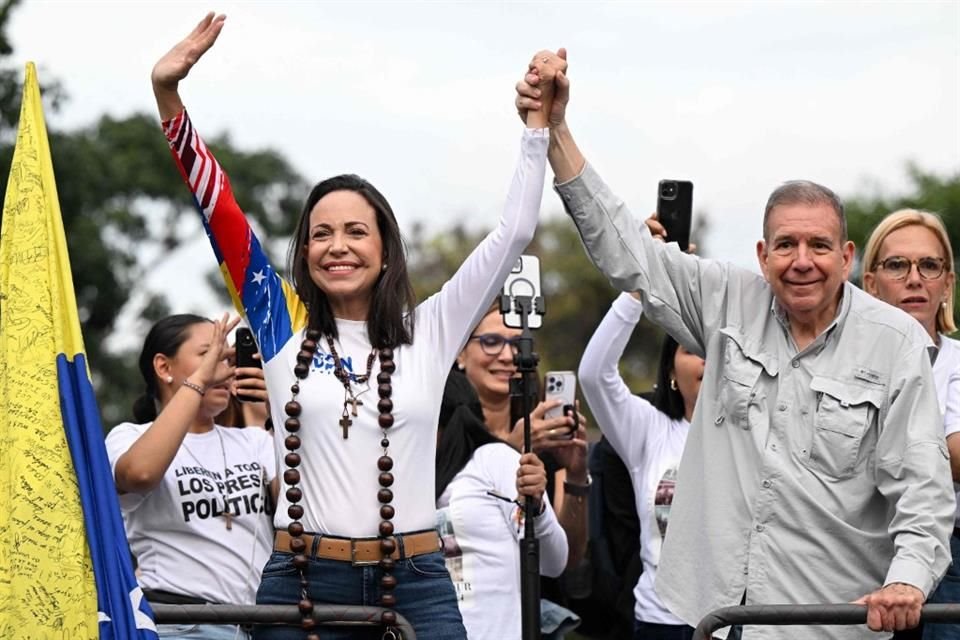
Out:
{"x": 64, "y": 565}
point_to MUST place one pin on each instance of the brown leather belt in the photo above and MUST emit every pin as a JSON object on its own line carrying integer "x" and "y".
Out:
{"x": 361, "y": 551}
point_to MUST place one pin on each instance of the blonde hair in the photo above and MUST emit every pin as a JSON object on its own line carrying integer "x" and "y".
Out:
{"x": 905, "y": 218}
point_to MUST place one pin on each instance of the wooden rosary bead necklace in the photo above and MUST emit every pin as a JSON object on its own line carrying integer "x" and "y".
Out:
{"x": 291, "y": 476}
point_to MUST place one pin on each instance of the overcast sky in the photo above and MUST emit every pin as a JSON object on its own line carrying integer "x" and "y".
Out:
{"x": 418, "y": 97}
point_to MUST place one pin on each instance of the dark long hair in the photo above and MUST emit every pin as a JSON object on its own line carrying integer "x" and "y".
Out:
{"x": 462, "y": 430}
{"x": 390, "y": 322}
{"x": 667, "y": 400}
{"x": 166, "y": 337}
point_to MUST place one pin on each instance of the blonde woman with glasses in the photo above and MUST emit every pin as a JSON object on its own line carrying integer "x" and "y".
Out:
{"x": 909, "y": 263}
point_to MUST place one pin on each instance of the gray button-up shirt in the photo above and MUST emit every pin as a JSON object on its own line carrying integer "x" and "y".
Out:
{"x": 808, "y": 477}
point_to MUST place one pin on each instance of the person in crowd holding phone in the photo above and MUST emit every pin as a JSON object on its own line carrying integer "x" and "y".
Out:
{"x": 249, "y": 402}
{"x": 815, "y": 460}
{"x": 648, "y": 435}
{"x": 487, "y": 361}
{"x": 355, "y": 373}
{"x": 193, "y": 493}
{"x": 909, "y": 263}
{"x": 481, "y": 481}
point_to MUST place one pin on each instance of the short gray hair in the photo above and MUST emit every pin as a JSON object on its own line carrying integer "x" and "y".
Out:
{"x": 808, "y": 193}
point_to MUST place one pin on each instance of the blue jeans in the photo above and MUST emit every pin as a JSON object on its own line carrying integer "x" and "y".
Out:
{"x": 201, "y": 632}
{"x": 556, "y": 621}
{"x": 425, "y": 596}
{"x": 948, "y": 592}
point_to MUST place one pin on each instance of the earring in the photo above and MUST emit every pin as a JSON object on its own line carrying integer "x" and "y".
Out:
{"x": 169, "y": 380}
{"x": 460, "y": 366}
{"x": 944, "y": 304}
{"x": 383, "y": 267}
{"x": 673, "y": 383}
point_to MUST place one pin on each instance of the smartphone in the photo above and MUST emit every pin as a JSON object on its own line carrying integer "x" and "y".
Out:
{"x": 246, "y": 347}
{"x": 561, "y": 385}
{"x": 675, "y": 210}
{"x": 523, "y": 280}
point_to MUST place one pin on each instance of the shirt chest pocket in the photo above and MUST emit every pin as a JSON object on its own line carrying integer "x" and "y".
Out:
{"x": 841, "y": 426}
{"x": 740, "y": 375}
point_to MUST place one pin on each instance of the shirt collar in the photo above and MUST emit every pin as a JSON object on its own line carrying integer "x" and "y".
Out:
{"x": 843, "y": 310}
{"x": 935, "y": 348}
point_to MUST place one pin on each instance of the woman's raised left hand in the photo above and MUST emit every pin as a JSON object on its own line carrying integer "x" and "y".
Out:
{"x": 215, "y": 368}
{"x": 176, "y": 63}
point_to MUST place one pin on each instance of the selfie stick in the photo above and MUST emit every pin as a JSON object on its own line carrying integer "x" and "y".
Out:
{"x": 526, "y": 361}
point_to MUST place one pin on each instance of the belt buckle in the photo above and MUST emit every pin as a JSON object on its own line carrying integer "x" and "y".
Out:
{"x": 353, "y": 555}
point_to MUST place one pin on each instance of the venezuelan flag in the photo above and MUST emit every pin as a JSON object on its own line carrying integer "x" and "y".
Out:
{"x": 65, "y": 568}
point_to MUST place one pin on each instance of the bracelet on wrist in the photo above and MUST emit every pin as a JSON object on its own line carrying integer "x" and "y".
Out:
{"x": 194, "y": 386}
{"x": 576, "y": 489}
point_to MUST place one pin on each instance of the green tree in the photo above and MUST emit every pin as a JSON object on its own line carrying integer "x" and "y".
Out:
{"x": 928, "y": 191}
{"x": 124, "y": 207}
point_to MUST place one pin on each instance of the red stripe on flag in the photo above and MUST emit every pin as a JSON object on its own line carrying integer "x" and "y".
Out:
{"x": 232, "y": 236}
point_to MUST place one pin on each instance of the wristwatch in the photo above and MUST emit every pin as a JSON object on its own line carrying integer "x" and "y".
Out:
{"x": 578, "y": 490}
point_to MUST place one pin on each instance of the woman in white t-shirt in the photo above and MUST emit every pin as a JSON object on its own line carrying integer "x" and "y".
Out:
{"x": 354, "y": 367}
{"x": 479, "y": 522}
{"x": 649, "y": 437}
{"x": 194, "y": 494}
{"x": 908, "y": 262}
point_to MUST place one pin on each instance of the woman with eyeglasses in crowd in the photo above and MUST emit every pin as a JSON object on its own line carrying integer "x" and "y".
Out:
{"x": 908, "y": 263}
{"x": 487, "y": 361}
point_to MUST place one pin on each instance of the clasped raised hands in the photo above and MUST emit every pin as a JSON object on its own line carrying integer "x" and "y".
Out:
{"x": 544, "y": 89}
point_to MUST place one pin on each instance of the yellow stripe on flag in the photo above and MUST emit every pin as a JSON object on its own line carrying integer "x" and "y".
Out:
{"x": 46, "y": 576}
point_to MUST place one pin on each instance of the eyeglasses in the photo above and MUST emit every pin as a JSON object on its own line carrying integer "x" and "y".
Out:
{"x": 492, "y": 343}
{"x": 898, "y": 267}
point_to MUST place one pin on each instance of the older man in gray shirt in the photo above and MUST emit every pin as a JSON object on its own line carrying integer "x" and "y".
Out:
{"x": 815, "y": 470}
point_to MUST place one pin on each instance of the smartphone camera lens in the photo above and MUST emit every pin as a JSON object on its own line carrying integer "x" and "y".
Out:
{"x": 668, "y": 189}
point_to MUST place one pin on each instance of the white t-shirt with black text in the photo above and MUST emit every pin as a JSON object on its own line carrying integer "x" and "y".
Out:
{"x": 178, "y": 532}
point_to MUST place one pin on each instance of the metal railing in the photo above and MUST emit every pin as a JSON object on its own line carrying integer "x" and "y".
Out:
{"x": 324, "y": 614}
{"x": 802, "y": 614}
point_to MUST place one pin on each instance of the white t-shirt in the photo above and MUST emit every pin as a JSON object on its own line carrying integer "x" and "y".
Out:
{"x": 177, "y": 531}
{"x": 946, "y": 375}
{"x": 648, "y": 441}
{"x": 481, "y": 537}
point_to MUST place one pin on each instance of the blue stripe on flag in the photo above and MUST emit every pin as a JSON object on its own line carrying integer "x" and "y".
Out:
{"x": 112, "y": 568}
{"x": 266, "y": 306}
